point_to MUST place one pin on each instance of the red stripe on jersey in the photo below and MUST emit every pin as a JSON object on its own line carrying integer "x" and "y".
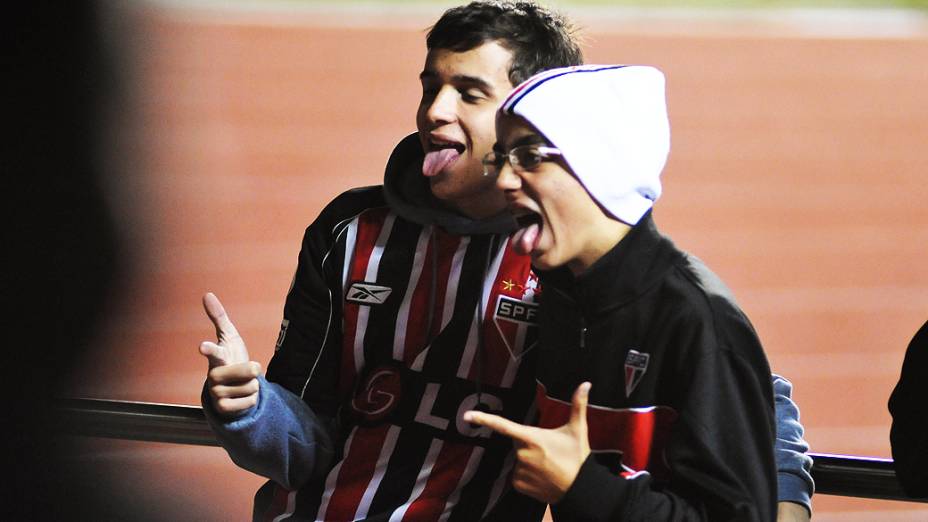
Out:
{"x": 446, "y": 475}
{"x": 418, "y": 336}
{"x": 356, "y": 471}
{"x": 501, "y": 337}
{"x": 447, "y": 246}
{"x": 369, "y": 225}
{"x": 640, "y": 434}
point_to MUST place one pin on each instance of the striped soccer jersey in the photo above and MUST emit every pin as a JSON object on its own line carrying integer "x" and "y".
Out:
{"x": 396, "y": 329}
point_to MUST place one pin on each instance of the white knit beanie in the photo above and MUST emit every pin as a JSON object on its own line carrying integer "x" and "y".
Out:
{"x": 610, "y": 123}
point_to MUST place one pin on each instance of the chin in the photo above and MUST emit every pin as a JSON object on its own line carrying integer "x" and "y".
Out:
{"x": 539, "y": 260}
{"x": 439, "y": 185}
{"x": 548, "y": 259}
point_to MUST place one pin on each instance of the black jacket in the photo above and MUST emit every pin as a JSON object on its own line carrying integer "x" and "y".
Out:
{"x": 909, "y": 407}
{"x": 682, "y": 416}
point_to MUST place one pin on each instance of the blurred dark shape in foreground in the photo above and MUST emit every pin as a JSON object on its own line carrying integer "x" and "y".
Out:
{"x": 69, "y": 256}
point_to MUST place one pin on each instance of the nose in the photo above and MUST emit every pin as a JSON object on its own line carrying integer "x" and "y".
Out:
{"x": 443, "y": 108}
{"x": 507, "y": 179}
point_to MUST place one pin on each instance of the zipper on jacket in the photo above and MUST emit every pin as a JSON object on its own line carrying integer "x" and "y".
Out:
{"x": 583, "y": 328}
{"x": 582, "y": 332}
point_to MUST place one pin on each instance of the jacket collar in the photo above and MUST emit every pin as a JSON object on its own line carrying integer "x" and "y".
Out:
{"x": 636, "y": 263}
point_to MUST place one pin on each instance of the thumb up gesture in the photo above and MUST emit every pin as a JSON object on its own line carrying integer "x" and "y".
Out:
{"x": 548, "y": 460}
{"x": 232, "y": 378}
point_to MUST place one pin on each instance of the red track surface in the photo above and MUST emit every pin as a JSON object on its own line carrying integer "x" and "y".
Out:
{"x": 798, "y": 172}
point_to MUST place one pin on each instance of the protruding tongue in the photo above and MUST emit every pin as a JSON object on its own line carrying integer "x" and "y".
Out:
{"x": 437, "y": 160}
{"x": 525, "y": 239}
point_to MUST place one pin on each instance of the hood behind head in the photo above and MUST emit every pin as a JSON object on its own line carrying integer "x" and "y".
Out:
{"x": 408, "y": 194}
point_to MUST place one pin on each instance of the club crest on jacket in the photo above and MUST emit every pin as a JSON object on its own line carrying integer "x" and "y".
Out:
{"x": 636, "y": 363}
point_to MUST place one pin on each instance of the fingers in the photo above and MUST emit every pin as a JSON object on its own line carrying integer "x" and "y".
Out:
{"x": 500, "y": 425}
{"x": 230, "y": 347}
{"x": 232, "y": 407}
{"x": 217, "y": 314}
{"x": 221, "y": 391}
{"x": 233, "y": 374}
{"x": 214, "y": 353}
{"x": 234, "y": 388}
{"x": 579, "y": 403}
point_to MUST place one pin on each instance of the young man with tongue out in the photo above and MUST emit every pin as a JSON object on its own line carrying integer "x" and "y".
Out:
{"x": 407, "y": 309}
{"x": 654, "y": 393}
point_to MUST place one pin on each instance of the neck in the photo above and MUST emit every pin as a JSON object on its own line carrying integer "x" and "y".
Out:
{"x": 479, "y": 207}
{"x": 607, "y": 235}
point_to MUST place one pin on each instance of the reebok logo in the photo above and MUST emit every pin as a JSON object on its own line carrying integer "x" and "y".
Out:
{"x": 368, "y": 293}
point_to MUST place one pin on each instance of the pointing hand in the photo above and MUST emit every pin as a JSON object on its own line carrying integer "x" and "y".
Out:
{"x": 232, "y": 378}
{"x": 548, "y": 460}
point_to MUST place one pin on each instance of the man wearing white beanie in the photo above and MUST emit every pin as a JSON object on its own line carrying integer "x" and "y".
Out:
{"x": 654, "y": 394}
{"x": 410, "y": 277}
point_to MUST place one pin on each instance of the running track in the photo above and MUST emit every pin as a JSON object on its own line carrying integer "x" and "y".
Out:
{"x": 798, "y": 172}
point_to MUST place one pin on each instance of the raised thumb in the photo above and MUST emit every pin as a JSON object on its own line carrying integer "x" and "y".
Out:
{"x": 578, "y": 405}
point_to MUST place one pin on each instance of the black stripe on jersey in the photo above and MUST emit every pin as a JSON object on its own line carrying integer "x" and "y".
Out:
{"x": 522, "y": 392}
{"x": 393, "y": 272}
{"x": 448, "y": 346}
{"x": 473, "y": 499}
{"x": 511, "y": 505}
{"x": 398, "y": 482}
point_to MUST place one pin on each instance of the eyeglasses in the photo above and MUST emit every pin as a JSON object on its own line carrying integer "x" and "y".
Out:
{"x": 523, "y": 158}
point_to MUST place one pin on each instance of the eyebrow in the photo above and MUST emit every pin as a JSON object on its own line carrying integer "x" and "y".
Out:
{"x": 463, "y": 79}
{"x": 528, "y": 139}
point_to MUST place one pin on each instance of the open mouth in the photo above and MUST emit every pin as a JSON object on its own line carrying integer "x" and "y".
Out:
{"x": 528, "y": 218}
{"x": 437, "y": 145}
{"x": 525, "y": 239}
{"x": 439, "y": 156}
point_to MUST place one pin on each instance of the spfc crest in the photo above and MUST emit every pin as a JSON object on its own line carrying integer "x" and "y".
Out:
{"x": 636, "y": 363}
{"x": 517, "y": 322}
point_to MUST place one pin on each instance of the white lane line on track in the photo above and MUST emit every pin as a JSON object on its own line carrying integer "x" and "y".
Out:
{"x": 757, "y": 22}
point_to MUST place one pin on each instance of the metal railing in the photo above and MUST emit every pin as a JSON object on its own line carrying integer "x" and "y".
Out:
{"x": 844, "y": 475}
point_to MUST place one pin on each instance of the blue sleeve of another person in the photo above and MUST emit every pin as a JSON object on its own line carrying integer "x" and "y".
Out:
{"x": 280, "y": 438}
{"x": 794, "y": 480}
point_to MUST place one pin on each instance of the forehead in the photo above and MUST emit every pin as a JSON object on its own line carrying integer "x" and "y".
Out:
{"x": 488, "y": 62}
{"x": 513, "y": 130}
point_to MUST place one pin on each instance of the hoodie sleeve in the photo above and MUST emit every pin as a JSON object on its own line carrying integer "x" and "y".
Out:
{"x": 720, "y": 452}
{"x": 279, "y": 438}
{"x": 794, "y": 480}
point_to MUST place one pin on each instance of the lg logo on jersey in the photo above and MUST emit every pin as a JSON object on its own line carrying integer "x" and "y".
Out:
{"x": 485, "y": 401}
{"x": 382, "y": 392}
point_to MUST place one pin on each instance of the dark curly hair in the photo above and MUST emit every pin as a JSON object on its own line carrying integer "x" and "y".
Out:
{"x": 538, "y": 38}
